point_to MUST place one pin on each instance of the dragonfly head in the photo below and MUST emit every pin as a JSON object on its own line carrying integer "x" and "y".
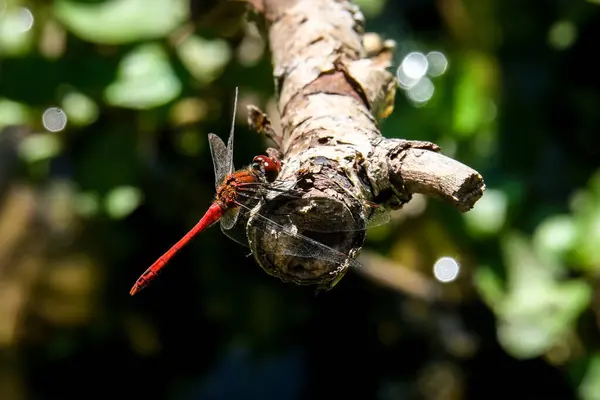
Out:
{"x": 267, "y": 166}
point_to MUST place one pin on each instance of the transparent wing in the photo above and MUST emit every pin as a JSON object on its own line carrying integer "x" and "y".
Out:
{"x": 220, "y": 158}
{"x": 299, "y": 245}
{"x": 223, "y": 156}
{"x": 229, "y": 219}
{"x": 299, "y": 209}
{"x": 230, "y": 140}
{"x": 375, "y": 214}
{"x": 233, "y": 226}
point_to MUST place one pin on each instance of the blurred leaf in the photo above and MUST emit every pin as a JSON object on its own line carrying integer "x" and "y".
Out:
{"x": 87, "y": 203}
{"x": 590, "y": 386}
{"x": 529, "y": 330}
{"x": 189, "y": 142}
{"x": 489, "y": 214}
{"x": 81, "y": 109}
{"x": 586, "y": 207}
{"x": 555, "y": 236}
{"x": 13, "y": 113}
{"x": 588, "y": 238}
{"x": 205, "y": 59}
{"x": 538, "y": 308}
{"x": 472, "y": 96}
{"x": 122, "y": 201}
{"x": 40, "y": 146}
{"x": 594, "y": 183}
{"x": 562, "y": 34}
{"x": 489, "y": 285}
{"x": 371, "y": 8}
{"x": 121, "y": 21}
{"x": 145, "y": 79}
{"x": 188, "y": 111}
{"x": 144, "y": 338}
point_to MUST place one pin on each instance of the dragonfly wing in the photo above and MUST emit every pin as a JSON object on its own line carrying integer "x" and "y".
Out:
{"x": 229, "y": 219}
{"x": 223, "y": 156}
{"x": 298, "y": 245}
{"x": 220, "y": 158}
{"x": 230, "y": 140}
{"x": 298, "y": 209}
{"x": 237, "y": 235}
{"x": 233, "y": 226}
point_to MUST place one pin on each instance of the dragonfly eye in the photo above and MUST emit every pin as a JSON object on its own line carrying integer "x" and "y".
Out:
{"x": 257, "y": 167}
{"x": 267, "y": 166}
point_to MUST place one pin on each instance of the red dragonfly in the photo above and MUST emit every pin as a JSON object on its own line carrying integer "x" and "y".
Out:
{"x": 233, "y": 190}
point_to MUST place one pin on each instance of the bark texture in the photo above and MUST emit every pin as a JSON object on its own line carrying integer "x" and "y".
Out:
{"x": 332, "y": 86}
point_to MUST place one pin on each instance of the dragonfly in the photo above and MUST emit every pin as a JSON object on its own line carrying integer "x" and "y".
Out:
{"x": 235, "y": 190}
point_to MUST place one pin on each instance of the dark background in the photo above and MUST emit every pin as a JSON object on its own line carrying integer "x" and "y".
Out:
{"x": 85, "y": 210}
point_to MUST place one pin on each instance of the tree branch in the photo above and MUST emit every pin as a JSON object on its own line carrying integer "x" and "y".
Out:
{"x": 332, "y": 84}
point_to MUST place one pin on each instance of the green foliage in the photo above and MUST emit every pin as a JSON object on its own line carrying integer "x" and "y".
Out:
{"x": 122, "y": 201}
{"x": 142, "y": 82}
{"x": 473, "y": 98}
{"x": 590, "y": 386}
{"x": 539, "y": 306}
{"x": 586, "y": 210}
{"x": 205, "y": 59}
{"x": 121, "y": 21}
{"x": 13, "y": 113}
{"x": 489, "y": 217}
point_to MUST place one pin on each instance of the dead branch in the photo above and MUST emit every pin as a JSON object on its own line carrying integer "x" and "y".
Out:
{"x": 332, "y": 84}
{"x": 395, "y": 276}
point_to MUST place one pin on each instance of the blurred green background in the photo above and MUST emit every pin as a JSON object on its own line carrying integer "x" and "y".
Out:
{"x": 85, "y": 207}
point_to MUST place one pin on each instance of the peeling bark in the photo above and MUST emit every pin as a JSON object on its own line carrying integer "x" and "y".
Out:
{"x": 332, "y": 84}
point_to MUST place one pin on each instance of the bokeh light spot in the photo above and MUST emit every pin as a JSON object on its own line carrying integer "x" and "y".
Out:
{"x": 17, "y": 20}
{"x": 54, "y": 119}
{"x": 415, "y": 65}
{"x": 422, "y": 91}
{"x": 446, "y": 269}
{"x": 562, "y": 35}
{"x": 404, "y": 81}
{"x": 438, "y": 63}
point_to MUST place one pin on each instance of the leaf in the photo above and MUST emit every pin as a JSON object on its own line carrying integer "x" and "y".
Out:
{"x": 489, "y": 285}
{"x": 538, "y": 308}
{"x": 472, "y": 95}
{"x": 145, "y": 79}
{"x": 121, "y": 21}
{"x": 528, "y": 330}
{"x": 555, "y": 236}
{"x": 371, "y": 8}
{"x": 590, "y": 386}
{"x": 489, "y": 214}
{"x": 204, "y": 59}
{"x": 586, "y": 207}
{"x": 87, "y": 204}
{"x": 13, "y": 113}
{"x": 81, "y": 109}
{"x": 39, "y": 147}
{"x": 122, "y": 201}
